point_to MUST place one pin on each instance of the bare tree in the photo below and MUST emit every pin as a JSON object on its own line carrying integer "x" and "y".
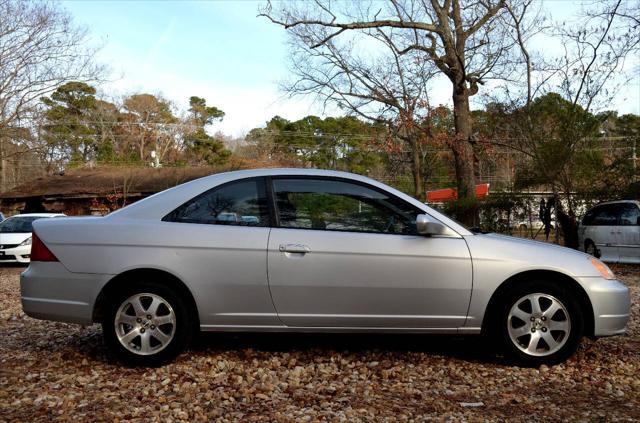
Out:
{"x": 526, "y": 21}
{"x": 40, "y": 49}
{"x": 592, "y": 67}
{"x": 387, "y": 88}
{"x": 554, "y": 127}
{"x": 462, "y": 38}
{"x": 151, "y": 123}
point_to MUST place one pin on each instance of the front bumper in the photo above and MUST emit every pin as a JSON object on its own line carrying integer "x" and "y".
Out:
{"x": 50, "y": 292}
{"x": 611, "y": 302}
{"x": 16, "y": 254}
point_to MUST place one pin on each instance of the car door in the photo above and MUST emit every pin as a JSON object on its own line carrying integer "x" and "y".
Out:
{"x": 219, "y": 245}
{"x": 345, "y": 254}
{"x": 603, "y": 221}
{"x": 628, "y": 233}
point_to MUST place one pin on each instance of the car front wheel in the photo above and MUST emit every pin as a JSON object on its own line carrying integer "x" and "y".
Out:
{"x": 147, "y": 325}
{"x": 540, "y": 323}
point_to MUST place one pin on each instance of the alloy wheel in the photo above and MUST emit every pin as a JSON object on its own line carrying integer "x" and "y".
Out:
{"x": 145, "y": 323}
{"x": 538, "y": 324}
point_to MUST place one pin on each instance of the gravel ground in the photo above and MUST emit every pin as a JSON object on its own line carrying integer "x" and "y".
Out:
{"x": 54, "y": 371}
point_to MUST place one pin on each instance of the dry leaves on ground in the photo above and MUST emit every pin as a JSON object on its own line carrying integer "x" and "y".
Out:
{"x": 55, "y": 371}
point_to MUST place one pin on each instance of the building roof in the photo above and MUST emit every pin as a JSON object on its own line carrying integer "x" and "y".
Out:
{"x": 38, "y": 215}
{"x": 104, "y": 181}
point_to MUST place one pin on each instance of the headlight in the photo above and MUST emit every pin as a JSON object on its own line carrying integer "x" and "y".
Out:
{"x": 25, "y": 242}
{"x": 602, "y": 268}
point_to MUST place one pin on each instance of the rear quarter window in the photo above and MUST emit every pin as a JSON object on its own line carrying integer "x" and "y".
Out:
{"x": 240, "y": 203}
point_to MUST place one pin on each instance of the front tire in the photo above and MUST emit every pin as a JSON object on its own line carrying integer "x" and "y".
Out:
{"x": 146, "y": 324}
{"x": 539, "y": 322}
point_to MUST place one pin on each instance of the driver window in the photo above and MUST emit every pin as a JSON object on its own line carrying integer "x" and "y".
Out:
{"x": 334, "y": 205}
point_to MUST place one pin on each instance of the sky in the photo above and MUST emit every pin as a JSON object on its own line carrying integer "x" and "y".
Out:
{"x": 218, "y": 50}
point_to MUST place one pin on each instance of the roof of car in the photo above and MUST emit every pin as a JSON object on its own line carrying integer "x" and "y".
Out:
{"x": 188, "y": 190}
{"x": 164, "y": 202}
{"x": 618, "y": 202}
{"x": 277, "y": 171}
{"x": 37, "y": 215}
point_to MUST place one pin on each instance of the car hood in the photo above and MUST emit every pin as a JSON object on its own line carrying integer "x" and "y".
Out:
{"x": 520, "y": 254}
{"x": 13, "y": 238}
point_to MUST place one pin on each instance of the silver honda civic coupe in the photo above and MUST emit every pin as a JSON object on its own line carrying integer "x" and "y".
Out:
{"x": 310, "y": 251}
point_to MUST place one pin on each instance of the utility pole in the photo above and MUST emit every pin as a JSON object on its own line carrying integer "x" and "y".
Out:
{"x": 3, "y": 163}
{"x": 633, "y": 155}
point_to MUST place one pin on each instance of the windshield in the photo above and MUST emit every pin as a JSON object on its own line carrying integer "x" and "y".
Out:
{"x": 18, "y": 224}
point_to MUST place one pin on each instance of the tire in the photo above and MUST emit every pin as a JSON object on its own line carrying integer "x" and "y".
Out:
{"x": 153, "y": 322}
{"x": 530, "y": 337}
{"x": 590, "y": 248}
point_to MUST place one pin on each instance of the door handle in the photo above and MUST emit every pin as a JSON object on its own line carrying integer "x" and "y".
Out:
{"x": 294, "y": 248}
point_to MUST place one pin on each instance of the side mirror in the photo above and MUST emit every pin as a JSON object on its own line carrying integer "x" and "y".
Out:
{"x": 425, "y": 226}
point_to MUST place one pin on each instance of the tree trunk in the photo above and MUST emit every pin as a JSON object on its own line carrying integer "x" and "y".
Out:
{"x": 416, "y": 170}
{"x": 141, "y": 149}
{"x": 462, "y": 150}
{"x": 569, "y": 226}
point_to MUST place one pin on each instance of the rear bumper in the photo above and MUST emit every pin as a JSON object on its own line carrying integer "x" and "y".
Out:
{"x": 611, "y": 302}
{"x": 50, "y": 292}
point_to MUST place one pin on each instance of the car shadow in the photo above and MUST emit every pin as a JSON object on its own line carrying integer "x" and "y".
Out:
{"x": 468, "y": 348}
{"x": 88, "y": 343}
{"x": 14, "y": 265}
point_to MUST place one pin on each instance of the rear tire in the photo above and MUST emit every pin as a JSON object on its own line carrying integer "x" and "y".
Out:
{"x": 590, "y": 248}
{"x": 538, "y": 322}
{"x": 146, "y": 324}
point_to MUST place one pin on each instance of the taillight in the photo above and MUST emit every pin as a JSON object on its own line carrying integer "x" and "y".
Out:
{"x": 39, "y": 251}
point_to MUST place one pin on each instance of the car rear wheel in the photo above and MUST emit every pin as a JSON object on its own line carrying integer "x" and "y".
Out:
{"x": 147, "y": 324}
{"x": 540, "y": 323}
{"x": 590, "y": 248}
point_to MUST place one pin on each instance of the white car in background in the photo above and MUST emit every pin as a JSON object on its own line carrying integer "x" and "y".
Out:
{"x": 611, "y": 231}
{"x": 15, "y": 236}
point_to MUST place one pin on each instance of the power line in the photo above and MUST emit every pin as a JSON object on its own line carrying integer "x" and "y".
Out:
{"x": 278, "y": 132}
{"x": 315, "y": 135}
